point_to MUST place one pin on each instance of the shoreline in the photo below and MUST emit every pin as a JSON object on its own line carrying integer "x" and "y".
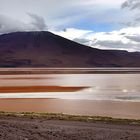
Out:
{"x": 68, "y": 117}
{"x": 18, "y": 71}
{"x": 115, "y": 109}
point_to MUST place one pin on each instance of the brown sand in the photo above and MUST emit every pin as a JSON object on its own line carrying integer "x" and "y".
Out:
{"x": 114, "y": 109}
{"x": 15, "y": 128}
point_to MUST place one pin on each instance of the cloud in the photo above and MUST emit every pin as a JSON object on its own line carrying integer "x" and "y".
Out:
{"x": 135, "y": 38}
{"x": 71, "y": 33}
{"x": 131, "y": 4}
{"x": 113, "y": 45}
{"x": 123, "y": 39}
{"x": 38, "y": 22}
{"x": 132, "y": 7}
{"x": 65, "y": 13}
{"x": 83, "y": 41}
{"x": 8, "y": 24}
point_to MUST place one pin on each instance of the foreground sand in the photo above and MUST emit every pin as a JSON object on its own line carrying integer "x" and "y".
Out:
{"x": 116, "y": 109}
{"x": 40, "y": 128}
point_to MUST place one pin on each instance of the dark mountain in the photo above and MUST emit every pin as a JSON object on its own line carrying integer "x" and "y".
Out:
{"x": 44, "y": 49}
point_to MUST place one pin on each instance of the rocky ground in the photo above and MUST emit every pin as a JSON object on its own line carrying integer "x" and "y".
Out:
{"x": 24, "y": 128}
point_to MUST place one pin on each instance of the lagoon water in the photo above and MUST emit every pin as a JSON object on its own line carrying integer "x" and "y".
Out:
{"x": 122, "y": 87}
{"x": 104, "y": 94}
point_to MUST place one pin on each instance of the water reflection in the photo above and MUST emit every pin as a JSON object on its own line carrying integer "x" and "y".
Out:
{"x": 81, "y": 86}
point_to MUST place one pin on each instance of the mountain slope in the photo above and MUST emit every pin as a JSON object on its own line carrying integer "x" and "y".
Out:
{"x": 44, "y": 49}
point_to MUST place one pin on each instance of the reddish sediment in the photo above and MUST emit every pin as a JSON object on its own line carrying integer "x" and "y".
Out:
{"x": 19, "y": 89}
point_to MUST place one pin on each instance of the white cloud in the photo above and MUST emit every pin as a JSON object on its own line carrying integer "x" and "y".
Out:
{"x": 71, "y": 33}
{"x": 123, "y": 39}
{"x": 62, "y": 12}
{"x": 8, "y": 24}
{"x": 38, "y": 22}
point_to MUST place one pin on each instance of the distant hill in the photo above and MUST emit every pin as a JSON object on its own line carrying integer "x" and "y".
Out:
{"x": 45, "y": 49}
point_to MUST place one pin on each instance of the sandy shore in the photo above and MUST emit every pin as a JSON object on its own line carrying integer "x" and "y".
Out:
{"x": 28, "y": 128}
{"x": 116, "y": 109}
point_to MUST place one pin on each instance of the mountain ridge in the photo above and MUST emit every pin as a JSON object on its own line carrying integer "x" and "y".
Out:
{"x": 45, "y": 49}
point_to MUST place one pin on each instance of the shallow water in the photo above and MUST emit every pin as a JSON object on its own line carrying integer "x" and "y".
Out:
{"x": 119, "y": 87}
{"x": 101, "y": 94}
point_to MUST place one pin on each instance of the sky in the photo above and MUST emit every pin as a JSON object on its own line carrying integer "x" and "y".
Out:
{"x": 103, "y": 24}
